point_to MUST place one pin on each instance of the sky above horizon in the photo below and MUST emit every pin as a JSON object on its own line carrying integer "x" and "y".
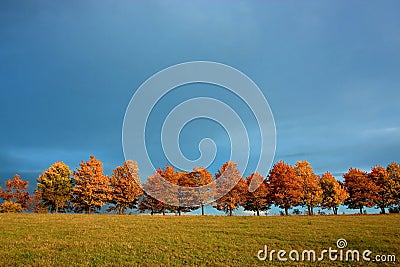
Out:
{"x": 68, "y": 69}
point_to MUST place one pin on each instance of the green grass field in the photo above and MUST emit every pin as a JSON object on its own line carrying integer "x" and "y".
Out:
{"x": 112, "y": 240}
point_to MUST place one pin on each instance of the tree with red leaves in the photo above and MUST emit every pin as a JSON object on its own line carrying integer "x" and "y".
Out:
{"x": 360, "y": 189}
{"x": 15, "y": 195}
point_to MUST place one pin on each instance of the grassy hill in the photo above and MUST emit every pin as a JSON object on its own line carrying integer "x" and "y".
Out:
{"x": 112, "y": 240}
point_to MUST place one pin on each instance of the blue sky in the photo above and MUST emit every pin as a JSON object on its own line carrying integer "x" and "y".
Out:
{"x": 329, "y": 70}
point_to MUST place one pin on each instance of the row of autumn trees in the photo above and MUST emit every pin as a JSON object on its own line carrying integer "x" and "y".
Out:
{"x": 88, "y": 189}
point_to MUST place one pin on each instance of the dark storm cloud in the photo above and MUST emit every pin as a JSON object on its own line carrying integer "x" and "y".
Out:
{"x": 69, "y": 69}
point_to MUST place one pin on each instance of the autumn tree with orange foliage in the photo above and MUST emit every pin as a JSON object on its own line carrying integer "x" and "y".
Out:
{"x": 92, "y": 188}
{"x": 55, "y": 185}
{"x": 227, "y": 176}
{"x": 199, "y": 178}
{"x": 36, "y": 204}
{"x": 384, "y": 191}
{"x": 285, "y": 186}
{"x": 158, "y": 186}
{"x": 258, "y": 200}
{"x": 360, "y": 189}
{"x": 175, "y": 194}
{"x": 149, "y": 203}
{"x": 15, "y": 195}
{"x": 186, "y": 200}
{"x": 311, "y": 191}
{"x": 153, "y": 189}
{"x": 126, "y": 190}
{"x": 196, "y": 180}
{"x": 334, "y": 193}
{"x": 393, "y": 170}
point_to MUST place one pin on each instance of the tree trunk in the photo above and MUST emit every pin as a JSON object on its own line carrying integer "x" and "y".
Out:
{"x": 258, "y": 213}
{"x": 309, "y": 211}
{"x": 202, "y": 209}
{"x": 286, "y": 211}
{"x": 230, "y": 211}
{"x": 335, "y": 210}
{"x": 383, "y": 210}
{"x": 179, "y": 212}
{"x": 361, "y": 208}
{"x": 88, "y": 211}
{"x": 56, "y": 208}
{"x": 312, "y": 210}
{"x": 163, "y": 212}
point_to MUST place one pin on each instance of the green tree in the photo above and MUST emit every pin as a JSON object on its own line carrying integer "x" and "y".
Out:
{"x": 55, "y": 185}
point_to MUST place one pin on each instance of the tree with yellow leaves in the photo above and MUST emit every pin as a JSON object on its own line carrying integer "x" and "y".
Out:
{"x": 92, "y": 188}
{"x": 393, "y": 170}
{"x": 311, "y": 191}
{"x": 55, "y": 185}
{"x": 334, "y": 193}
